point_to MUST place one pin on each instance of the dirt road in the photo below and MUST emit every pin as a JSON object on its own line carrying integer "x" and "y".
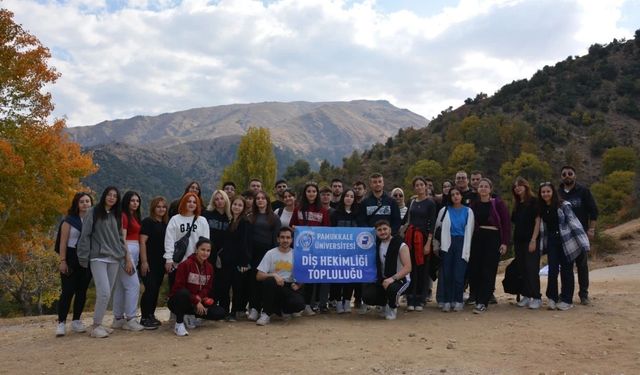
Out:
{"x": 600, "y": 339}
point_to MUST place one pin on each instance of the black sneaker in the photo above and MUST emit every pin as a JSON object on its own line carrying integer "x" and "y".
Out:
{"x": 148, "y": 324}
{"x": 155, "y": 321}
{"x": 585, "y": 301}
{"x": 479, "y": 309}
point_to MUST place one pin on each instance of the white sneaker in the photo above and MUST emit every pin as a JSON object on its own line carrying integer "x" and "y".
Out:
{"x": 551, "y": 304}
{"x": 411, "y": 308}
{"x": 132, "y": 325}
{"x": 458, "y": 306}
{"x": 382, "y": 311}
{"x": 363, "y": 309}
{"x": 118, "y": 323}
{"x": 347, "y": 307}
{"x": 286, "y": 317}
{"x": 253, "y": 315}
{"x": 264, "y": 319}
{"x": 297, "y": 314}
{"x": 308, "y": 311}
{"x": 60, "y": 329}
{"x": 524, "y": 302}
{"x": 535, "y": 303}
{"x": 446, "y": 307}
{"x": 198, "y": 322}
{"x": 107, "y": 329}
{"x": 391, "y": 314}
{"x": 190, "y": 321}
{"x": 419, "y": 308}
{"x": 99, "y": 332}
{"x": 78, "y": 327}
{"x": 180, "y": 330}
{"x": 563, "y": 306}
{"x": 339, "y": 308}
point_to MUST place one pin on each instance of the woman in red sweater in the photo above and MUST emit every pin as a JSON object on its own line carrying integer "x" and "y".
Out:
{"x": 310, "y": 213}
{"x": 189, "y": 294}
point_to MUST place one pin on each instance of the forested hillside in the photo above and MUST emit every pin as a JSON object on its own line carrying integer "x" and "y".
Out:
{"x": 570, "y": 113}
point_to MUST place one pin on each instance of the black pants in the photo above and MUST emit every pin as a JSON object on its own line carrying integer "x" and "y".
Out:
{"x": 311, "y": 293}
{"x": 582, "y": 264}
{"x": 357, "y": 294}
{"x": 227, "y": 279}
{"x": 485, "y": 255}
{"x": 558, "y": 263}
{"x": 180, "y": 304}
{"x": 280, "y": 299}
{"x": 73, "y": 284}
{"x": 375, "y": 294}
{"x": 152, "y": 283}
{"x": 529, "y": 268}
{"x": 415, "y": 292}
{"x": 253, "y": 287}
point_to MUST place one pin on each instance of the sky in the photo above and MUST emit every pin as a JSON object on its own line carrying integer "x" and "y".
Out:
{"x": 122, "y": 58}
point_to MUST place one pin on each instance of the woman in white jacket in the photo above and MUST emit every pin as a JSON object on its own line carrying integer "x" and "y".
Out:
{"x": 457, "y": 224}
{"x": 188, "y": 219}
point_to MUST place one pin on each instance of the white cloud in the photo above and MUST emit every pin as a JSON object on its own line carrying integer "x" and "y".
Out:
{"x": 154, "y": 56}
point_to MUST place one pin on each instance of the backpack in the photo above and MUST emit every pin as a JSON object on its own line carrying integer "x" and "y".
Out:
{"x": 76, "y": 223}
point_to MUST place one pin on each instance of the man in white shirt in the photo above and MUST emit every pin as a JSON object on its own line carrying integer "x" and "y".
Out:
{"x": 280, "y": 293}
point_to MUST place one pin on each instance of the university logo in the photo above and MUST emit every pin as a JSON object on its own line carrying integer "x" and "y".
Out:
{"x": 305, "y": 240}
{"x": 365, "y": 240}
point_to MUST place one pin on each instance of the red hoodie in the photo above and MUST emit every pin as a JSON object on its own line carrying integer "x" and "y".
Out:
{"x": 197, "y": 278}
{"x": 314, "y": 217}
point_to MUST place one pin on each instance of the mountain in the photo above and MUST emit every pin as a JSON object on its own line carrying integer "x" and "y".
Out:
{"x": 160, "y": 154}
{"x": 569, "y": 113}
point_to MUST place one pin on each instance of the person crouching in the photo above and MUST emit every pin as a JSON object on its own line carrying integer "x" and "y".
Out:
{"x": 394, "y": 265}
{"x": 281, "y": 295}
{"x": 189, "y": 294}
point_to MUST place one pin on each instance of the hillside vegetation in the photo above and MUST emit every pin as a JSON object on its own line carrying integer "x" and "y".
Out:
{"x": 570, "y": 113}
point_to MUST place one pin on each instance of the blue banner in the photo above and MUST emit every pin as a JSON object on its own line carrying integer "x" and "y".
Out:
{"x": 334, "y": 255}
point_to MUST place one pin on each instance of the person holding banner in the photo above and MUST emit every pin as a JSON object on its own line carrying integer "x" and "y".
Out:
{"x": 393, "y": 263}
{"x": 346, "y": 215}
{"x": 280, "y": 293}
{"x": 310, "y": 213}
{"x": 456, "y": 224}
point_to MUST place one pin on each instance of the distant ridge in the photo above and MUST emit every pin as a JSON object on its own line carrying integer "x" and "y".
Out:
{"x": 198, "y": 143}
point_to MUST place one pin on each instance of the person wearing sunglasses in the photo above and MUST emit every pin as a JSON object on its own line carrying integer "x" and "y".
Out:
{"x": 585, "y": 208}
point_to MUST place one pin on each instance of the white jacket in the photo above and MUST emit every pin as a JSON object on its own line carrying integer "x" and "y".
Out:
{"x": 178, "y": 227}
{"x": 445, "y": 223}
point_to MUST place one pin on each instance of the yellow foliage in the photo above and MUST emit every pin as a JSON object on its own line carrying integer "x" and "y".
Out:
{"x": 30, "y": 274}
{"x": 255, "y": 159}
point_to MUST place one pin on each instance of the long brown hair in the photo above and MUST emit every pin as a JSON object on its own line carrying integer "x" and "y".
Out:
{"x": 235, "y": 221}
{"x": 271, "y": 217}
{"x": 528, "y": 194}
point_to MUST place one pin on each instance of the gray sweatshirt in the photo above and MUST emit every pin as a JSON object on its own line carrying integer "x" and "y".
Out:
{"x": 106, "y": 241}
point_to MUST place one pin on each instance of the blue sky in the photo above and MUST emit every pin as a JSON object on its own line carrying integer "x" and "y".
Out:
{"x": 121, "y": 58}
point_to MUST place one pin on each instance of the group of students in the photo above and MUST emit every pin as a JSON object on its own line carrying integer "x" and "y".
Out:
{"x": 239, "y": 259}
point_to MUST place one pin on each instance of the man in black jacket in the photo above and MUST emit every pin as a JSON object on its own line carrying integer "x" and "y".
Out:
{"x": 584, "y": 206}
{"x": 379, "y": 205}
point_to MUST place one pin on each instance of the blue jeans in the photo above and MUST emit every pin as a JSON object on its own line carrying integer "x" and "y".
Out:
{"x": 558, "y": 263}
{"x": 453, "y": 271}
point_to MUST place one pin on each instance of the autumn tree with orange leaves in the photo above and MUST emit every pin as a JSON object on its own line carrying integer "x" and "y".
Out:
{"x": 40, "y": 167}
